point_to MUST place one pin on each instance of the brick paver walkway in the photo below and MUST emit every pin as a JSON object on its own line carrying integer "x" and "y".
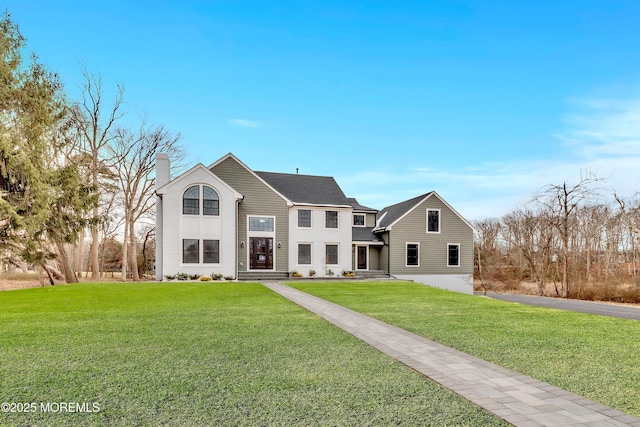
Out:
{"x": 518, "y": 399}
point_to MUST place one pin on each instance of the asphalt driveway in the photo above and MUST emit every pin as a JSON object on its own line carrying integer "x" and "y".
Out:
{"x": 603, "y": 309}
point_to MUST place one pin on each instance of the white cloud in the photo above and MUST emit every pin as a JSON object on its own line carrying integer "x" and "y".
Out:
{"x": 243, "y": 123}
{"x": 602, "y": 136}
{"x": 605, "y": 127}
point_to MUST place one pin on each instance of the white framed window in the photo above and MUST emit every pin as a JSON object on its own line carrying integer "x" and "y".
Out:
{"x": 433, "y": 220}
{"x": 190, "y": 251}
{"x": 331, "y": 219}
{"x": 359, "y": 220}
{"x": 211, "y": 251}
{"x": 331, "y": 254}
{"x": 453, "y": 254}
{"x": 304, "y": 253}
{"x": 210, "y": 201}
{"x": 413, "y": 254}
{"x": 191, "y": 201}
{"x": 304, "y": 218}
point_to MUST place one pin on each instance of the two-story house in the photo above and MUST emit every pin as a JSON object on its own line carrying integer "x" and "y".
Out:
{"x": 228, "y": 219}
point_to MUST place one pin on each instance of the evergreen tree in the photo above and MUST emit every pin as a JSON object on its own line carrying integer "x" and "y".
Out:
{"x": 43, "y": 197}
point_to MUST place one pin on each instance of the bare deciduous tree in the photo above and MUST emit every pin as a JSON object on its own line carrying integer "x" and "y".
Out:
{"x": 562, "y": 201}
{"x": 96, "y": 128}
{"x": 134, "y": 158}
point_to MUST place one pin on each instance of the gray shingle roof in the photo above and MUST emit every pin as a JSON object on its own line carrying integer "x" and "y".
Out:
{"x": 358, "y": 207}
{"x": 364, "y": 234}
{"x": 394, "y": 212}
{"x": 316, "y": 190}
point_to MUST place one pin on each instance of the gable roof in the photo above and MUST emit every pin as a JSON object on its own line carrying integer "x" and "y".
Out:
{"x": 202, "y": 168}
{"x": 306, "y": 189}
{"x": 390, "y": 215}
{"x": 248, "y": 169}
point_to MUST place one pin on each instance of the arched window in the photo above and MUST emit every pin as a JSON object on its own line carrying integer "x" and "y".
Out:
{"x": 191, "y": 201}
{"x": 210, "y": 202}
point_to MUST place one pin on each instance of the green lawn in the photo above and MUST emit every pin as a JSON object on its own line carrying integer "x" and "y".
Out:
{"x": 593, "y": 356}
{"x": 197, "y": 354}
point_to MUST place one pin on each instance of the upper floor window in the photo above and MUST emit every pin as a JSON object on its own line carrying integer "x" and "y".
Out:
{"x": 433, "y": 221}
{"x": 191, "y": 201}
{"x": 304, "y": 218}
{"x": 331, "y": 219}
{"x": 210, "y": 202}
{"x": 358, "y": 220}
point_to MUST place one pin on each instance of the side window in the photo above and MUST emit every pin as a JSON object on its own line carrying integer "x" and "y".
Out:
{"x": 210, "y": 202}
{"x": 413, "y": 254}
{"x": 358, "y": 220}
{"x": 191, "y": 201}
{"x": 453, "y": 255}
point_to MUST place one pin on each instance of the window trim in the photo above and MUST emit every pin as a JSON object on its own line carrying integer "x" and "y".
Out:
{"x": 439, "y": 221}
{"x": 406, "y": 254}
{"x": 364, "y": 220}
{"x": 310, "y": 218}
{"x": 310, "y": 253}
{"x": 326, "y": 255}
{"x": 449, "y": 245}
{"x": 326, "y": 220}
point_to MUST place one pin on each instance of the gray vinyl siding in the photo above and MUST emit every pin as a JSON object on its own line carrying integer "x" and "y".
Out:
{"x": 374, "y": 258}
{"x": 370, "y": 220}
{"x": 383, "y": 258}
{"x": 259, "y": 199}
{"x": 433, "y": 246}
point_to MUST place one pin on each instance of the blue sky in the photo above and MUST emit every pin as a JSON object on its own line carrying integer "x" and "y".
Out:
{"x": 483, "y": 101}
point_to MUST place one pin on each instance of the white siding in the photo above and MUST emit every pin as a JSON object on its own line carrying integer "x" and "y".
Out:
{"x": 318, "y": 236}
{"x": 176, "y": 226}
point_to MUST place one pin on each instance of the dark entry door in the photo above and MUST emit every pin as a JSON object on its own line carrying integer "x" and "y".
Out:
{"x": 362, "y": 257}
{"x": 261, "y": 253}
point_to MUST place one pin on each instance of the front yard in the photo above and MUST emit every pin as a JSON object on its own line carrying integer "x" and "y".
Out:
{"x": 594, "y": 356}
{"x": 195, "y": 354}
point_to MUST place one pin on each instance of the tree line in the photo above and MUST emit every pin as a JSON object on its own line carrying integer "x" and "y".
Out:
{"x": 569, "y": 241}
{"x": 71, "y": 167}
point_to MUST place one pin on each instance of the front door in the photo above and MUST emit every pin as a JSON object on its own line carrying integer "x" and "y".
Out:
{"x": 362, "y": 257}
{"x": 261, "y": 253}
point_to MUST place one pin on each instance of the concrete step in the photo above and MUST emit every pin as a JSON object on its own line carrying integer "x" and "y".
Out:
{"x": 263, "y": 275}
{"x": 371, "y": 274}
